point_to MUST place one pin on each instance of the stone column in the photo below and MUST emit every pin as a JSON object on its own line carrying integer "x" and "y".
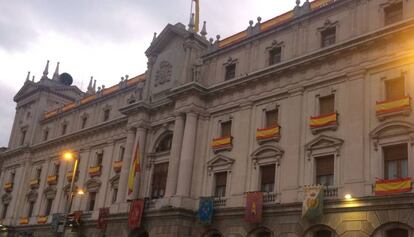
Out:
{"x": 175, "y": 156}
{"x": 123, "y": 179}
{"x": 140, "y": 138}
{"x": 187, "y": 156}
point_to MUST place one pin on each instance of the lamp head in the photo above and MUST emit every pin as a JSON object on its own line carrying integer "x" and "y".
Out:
{"x": 68, "y": 155}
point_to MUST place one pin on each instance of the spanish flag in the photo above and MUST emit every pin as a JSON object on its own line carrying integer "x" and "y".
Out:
{"x": 197, "y": 15}
{"x": 323, "y": 120}
{"x": 384, "y": 187}
{"x": 135, "y": 168}
{"x": 390, "y": 106}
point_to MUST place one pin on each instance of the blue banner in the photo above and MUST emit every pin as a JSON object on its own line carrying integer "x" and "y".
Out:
{"x": 205, "y": 210}
{"x": 55, "y": 222}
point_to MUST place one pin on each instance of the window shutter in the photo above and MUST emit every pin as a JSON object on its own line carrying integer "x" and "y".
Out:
{"x": 325, "y": 165}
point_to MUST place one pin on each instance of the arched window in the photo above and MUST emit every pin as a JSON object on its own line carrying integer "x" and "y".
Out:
{"x": 323, "y": 233}
{"x": 264, "y": 233}
{"x": 397, "y": 232}
{"x": 165, "y": 143}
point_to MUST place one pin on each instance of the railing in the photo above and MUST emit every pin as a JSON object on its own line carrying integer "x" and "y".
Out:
{"x": 219, "y": 202}
{"x": 331, "y": 193}
{"x": 269, "y": 198}
{"x": 150, "y": 203}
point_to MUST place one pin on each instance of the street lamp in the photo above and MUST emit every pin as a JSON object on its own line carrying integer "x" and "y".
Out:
{"x": 69, "y": 156}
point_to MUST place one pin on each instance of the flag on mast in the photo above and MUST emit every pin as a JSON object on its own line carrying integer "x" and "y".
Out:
{"x": 135, "y": 168}
{"x": 197, "y": 16}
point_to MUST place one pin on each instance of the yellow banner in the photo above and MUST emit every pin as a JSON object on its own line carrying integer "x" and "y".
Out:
{"x": 218, "y": 142}
{"x": 267, "y": 132}
{"x": 41, "y": 219}
{"x": 93, "y": 170}
{"x": 392, "y": 106}
{"x": 323, "y": 120}
{"x": 384, "y": 187}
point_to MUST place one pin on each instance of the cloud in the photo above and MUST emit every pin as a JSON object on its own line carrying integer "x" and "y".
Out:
{"x": 6, "y": 114}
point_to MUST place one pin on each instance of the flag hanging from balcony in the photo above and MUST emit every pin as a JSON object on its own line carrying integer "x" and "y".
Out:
{"x": 135, "y": 168}
{"x": 102, "y": 219}
{"x": 323, "y": 120}
{"x": 254, "y": 207}
{"x": 313, "y": 202}
{"x": 205, "y": 210}
{"x": 390, "y": 106}
{"x": 385, "y": 187}
{"x": 135, "y": 213}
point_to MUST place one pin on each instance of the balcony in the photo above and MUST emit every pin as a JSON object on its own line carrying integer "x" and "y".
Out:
{"x": 388, "y": 108}
{"x": 34, "y": 183}
{"x": 42, "y": 219}
{"x": 52, "y": 179}
{"x": 117, "y": 166}
{"x": 24, "y": 220}
{"x": 269, "y": 198}
{"x": 8, "y": 187}
{"x": 150, "y": 203}
{"x": 222, "y": 144}
{"x": 219, "y": 202}
{"x": 324, "y": 122}
{"x": 331, "y": 193}
{"x": 268, "y": 134}
{"x": 95, "y": 171}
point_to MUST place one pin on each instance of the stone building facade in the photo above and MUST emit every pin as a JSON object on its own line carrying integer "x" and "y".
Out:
{"x": 318, "y": 95}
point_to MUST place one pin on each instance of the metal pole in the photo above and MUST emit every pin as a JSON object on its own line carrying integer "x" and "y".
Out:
{"x": 69, "y": 203}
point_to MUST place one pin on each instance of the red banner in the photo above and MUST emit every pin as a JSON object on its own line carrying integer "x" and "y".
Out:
{"x": 135, "y": 214}
{"x": 102, "y": 219}
{"x": 254, "y": 206}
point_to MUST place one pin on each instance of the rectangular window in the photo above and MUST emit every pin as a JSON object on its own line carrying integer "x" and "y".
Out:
{"x": 121, "y": 153}
{"x": 325, "y": 170}
{"x": 225, "y": 129}
{"x": 84, "y": 121}
{"x": 57, "y": 168}
{"x": 271, "y": 118}
{"x": 328, "y": 36}
{"x": 30, "y": 210}
{"x": 106, "y": 115}
{"x": 394, "y": 88}
{"x": 327, "y": 104}
{"x": 99, "y": 158}
{"x": 23, "y": 137}
{"x": 396, "y": 161}
{"x": 64, "y": 128}
{"x": 220, "y": 184}
{"x": 267, "y": 178}
{"x": 38, "y": 172}
{"x": 45, "y": 135}
{"x": 4, "y": 213}
{"x": 12, "y": 176}
{"x": 92, "y": 200}
{"x": 159, "y": 180}
{"x": 275, "y": 56}
{"x": 230, "y": 71}
{"x": 393, "y": 13}
{"x": 49, "y": 203}
{"x": 114, "y": 194}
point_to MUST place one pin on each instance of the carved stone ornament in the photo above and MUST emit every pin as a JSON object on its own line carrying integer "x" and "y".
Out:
{"x": 50, "y": 192}
{"x": 93, "y": 185}
{"x": 32, "y": 195}
{"x": 6, "y": 198}
{"x": 114, "y": 181}
{"x": 392, "y": 129}
{"x": 163, "y": 74}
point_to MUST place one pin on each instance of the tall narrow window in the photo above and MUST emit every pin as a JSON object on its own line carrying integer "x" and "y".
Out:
{"x": 49, "y": 203}
{"x": 397, "y": 232}
{"x": 159, "y": 180}
{"x": 267, "y": 178}
{"x": 275, "y": 56}
{"x": 57, "y": 168}
{"x": 38, "y": 172}
{"x": 30, "y": 210}
{"x": 92, "y": 200}
{"x": 396, "y": 161}
{"x": 394, "y": 88}
{"x": 220, "y": 184}
{"x": 84, "y": 122}
{"x": 106, "y": 114}
{"x": 114, "y": 194}
{"x": 328, "y": 36}
{"x": 45, "y": 134}
{"x": 323, "y": 233}
{"x": 12, "y": 176}
{"x": 230, "y": 71}
{"x": 393, "y": 13}
{"x": 64, "y": 128}
{"x": 99, "y": 158}
{"x": 23, "y": 137}
{"x": 325, "y": 170}
{"x": 225, "y": 129}
{"x": 327, "y": 104}
{"x": 271, "y": 118}
{"x": 121, "y": 153}
{"x": 4, "y": 212}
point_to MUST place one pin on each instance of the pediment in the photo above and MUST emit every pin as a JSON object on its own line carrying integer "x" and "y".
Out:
{"x": 392, "y": 128}
{"x": 268, "y": 151}
{"x": 220, "y": 160}
{"x": 324, "y": 141}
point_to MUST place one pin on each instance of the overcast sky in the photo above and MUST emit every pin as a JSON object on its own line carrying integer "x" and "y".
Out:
{"x": 105, "y": 39}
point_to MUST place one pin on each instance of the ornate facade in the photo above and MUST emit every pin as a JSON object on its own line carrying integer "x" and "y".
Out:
{"x": 318, "y": 95}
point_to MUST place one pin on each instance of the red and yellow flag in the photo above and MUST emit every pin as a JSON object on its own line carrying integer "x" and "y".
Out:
{"x": 254, "y": 206}
{"x": 263, "y": 133}
{"x": 390, "y": 106}
{"x": 323, "y": 120}
{"x": 135, "y": 168}
{"x": 384, "y": 187}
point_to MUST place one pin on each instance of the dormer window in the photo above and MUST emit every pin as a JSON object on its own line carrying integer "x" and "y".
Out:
{"x": 275, "y": 56}
{"x": 393, "y": 13}
{"x": 230, "y": 71}
{"x": 328, "y": 36}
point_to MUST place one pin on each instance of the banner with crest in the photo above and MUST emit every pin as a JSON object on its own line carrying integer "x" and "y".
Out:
{"x": 254, "y": 207}
{"x": 205, "y": 210}
{"x": 312, "y": 207}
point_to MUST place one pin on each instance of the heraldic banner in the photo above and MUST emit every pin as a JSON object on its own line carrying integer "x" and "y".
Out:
{"x": 313, "y": 201}
{"x": 254, "y": 207}
{"x": 205, "y": 210}
{"x": 135, "y": 214}
{"x": 102, "y": 219}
